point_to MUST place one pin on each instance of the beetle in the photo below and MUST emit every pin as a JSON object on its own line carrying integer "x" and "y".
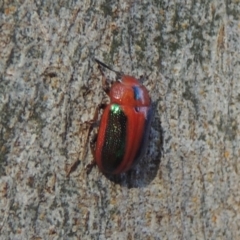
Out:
{"x": 125, "y": 124}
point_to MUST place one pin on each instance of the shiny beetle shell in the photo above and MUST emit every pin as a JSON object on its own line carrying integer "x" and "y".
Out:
{"x": 124, "y": 127}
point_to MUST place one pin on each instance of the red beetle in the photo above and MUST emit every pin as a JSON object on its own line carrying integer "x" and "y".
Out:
{"x": 125, "y": 124}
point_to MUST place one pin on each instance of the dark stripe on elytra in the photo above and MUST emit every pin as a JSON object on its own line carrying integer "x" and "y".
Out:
{"x": 115, "y": 140}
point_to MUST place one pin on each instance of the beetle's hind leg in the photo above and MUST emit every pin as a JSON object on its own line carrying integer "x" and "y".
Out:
{"x": 93, "y": 141}
{"x": 90, "y": 166}
{"x": 93, "y": 123}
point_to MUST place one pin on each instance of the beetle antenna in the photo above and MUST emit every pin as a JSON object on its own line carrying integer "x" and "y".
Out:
{"x": 119, "y": 74}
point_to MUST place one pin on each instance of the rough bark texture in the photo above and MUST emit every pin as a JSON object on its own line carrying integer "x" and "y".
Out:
{"x": 187, "y": 186}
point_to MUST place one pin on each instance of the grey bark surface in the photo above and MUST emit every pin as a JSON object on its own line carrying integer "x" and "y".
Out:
{"x": 187, "y": 185}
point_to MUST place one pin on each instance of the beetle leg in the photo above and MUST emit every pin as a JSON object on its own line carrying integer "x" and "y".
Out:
{"x": 93, "y": 123}
{"x": 92, "y": 144}
{"x": 94, "y": 139}
{"x": 75, "y": 164}
{"x": 73, "y": 167}
{"x": 90, "y": 166}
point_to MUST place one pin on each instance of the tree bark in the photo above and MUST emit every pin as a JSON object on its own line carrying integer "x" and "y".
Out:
{"x": 186, "y": 186}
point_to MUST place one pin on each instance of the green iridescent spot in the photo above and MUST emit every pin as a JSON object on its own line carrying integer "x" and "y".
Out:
{"x": 115, "y": 108}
